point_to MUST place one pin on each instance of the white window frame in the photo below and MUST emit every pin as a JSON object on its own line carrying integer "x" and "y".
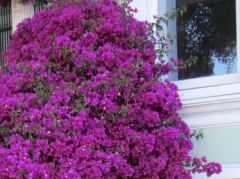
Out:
{"x": 210, "y": 80}
{"x": 202, "y": 89}
{"x": 208, "y": 102}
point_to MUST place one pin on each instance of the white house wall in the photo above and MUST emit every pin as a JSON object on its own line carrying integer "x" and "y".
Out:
{"x": 146, "y": 9}
{"x": 20, "y": 12}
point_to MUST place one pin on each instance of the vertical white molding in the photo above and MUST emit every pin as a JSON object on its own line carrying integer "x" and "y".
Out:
{"x": 162, "y": 7}
{"x": 172, "y": 30}
{"x": 172, "y": 27}
{"x": 165, "y": 6}
{"x": 146, "y": 9}
{"x": 20, "y": 12}
{"x": 152, "y": 9}
{"x": 238, "y": 35}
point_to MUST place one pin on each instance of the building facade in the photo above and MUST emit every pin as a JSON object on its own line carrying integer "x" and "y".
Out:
{"x": 209, "y": 33}
{"x": 210, "y": 88}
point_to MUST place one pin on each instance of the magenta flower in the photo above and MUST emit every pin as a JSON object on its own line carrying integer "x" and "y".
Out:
{"x": 81, "y": 97}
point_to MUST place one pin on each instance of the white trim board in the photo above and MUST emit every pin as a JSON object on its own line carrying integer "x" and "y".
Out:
{"x": 211, "y": 112}
{"x": 208, "y": 92}
{"x": 224, "y": 119}
{"x": 146, "y": 9}
{"x": 208, "y": 81}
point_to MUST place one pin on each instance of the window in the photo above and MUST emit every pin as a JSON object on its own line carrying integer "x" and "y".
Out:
{"x": 5, "y": 27}
{"x": 207, "y": 39}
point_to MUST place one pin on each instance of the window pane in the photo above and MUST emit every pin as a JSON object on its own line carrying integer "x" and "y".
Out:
{"x": 206, "y": 38}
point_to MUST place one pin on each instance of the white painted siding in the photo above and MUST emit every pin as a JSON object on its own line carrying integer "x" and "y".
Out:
{"x": 20, "y": 12}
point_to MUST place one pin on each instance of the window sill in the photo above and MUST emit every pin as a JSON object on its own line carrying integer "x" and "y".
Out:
{"x": 208, "y": 81}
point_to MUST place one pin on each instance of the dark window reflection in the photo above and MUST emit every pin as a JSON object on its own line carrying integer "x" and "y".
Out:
{"x": 206, "y": 38}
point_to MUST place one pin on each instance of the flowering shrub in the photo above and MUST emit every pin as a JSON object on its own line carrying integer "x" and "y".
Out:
{"x": 81, "y": 97}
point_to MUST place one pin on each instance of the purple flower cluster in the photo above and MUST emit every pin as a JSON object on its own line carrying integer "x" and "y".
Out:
{"x": 200, "y": 165}
{"x": 81, "y": 98}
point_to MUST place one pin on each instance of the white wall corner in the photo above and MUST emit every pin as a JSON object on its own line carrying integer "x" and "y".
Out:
{"x": 20, "y": 12}
{"x": 146, "y": 9}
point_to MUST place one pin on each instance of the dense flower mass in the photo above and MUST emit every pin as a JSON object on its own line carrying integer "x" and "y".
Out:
{"x": 80, "y": 97}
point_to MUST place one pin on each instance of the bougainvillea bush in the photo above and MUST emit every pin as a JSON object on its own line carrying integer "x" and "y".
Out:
{"x": 81, "y": 96}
